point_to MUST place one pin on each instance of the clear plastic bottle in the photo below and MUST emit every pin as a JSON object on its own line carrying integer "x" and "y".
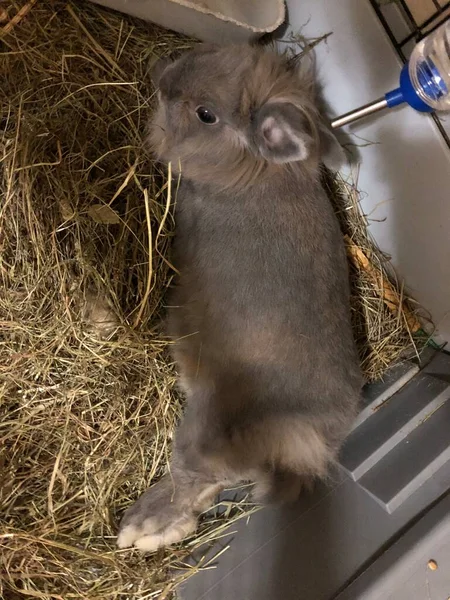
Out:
{"x": 429, "y": 68}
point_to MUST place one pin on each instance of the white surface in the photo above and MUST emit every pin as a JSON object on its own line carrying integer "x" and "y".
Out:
{"x": 405, "y": 173}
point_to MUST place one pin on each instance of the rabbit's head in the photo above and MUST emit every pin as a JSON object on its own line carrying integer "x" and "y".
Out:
{"x": 229, "y": 115}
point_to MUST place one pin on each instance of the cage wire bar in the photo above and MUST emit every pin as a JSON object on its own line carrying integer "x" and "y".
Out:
{"x": 417, "y": 32}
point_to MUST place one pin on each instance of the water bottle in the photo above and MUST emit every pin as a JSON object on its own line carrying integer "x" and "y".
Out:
{"x": 424, "y": 80}
{"x": 429, "y": 68}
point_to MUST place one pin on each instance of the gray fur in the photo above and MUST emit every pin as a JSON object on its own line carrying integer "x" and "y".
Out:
{"x": 260, "y": 312}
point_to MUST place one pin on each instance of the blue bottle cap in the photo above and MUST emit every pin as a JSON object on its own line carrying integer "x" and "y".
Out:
{"x": 407, "y": 92}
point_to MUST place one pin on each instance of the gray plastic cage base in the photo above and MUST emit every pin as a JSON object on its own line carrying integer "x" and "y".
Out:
{"x": 388, "y": 504}
{"x": 403, "y": 572}
{"x": 402, "y": 441}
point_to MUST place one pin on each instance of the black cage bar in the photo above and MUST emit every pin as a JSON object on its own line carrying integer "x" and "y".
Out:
{"x": 417, "y": 31}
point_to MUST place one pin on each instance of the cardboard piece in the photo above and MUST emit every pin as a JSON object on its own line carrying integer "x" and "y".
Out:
{"x": 217, "y": 21}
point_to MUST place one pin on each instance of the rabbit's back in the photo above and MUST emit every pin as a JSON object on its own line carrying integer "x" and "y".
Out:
{"x": 261, "y": 307}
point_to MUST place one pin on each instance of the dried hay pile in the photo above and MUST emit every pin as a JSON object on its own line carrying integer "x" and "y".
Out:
{"x": 87, "y": 400}
{"x": 388, "y": 325}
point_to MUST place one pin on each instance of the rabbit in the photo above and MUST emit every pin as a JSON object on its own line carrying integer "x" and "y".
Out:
{"x": 260, "y": 314}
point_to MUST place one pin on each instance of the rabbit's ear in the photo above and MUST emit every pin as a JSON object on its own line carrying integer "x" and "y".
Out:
{"x": 282, "y": 133}
{"x": 158, "y": 68}
{"x": 331, "y": 152}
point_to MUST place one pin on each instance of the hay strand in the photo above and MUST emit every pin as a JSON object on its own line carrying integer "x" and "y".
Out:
{"x": 16, "y": 18}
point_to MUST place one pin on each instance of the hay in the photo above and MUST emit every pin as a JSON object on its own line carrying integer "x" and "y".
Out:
{"x": 88, "y": 404}
{"x": 388, "y": 325}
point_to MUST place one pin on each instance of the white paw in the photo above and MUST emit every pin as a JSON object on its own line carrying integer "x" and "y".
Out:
{"x": 146, "y": 539}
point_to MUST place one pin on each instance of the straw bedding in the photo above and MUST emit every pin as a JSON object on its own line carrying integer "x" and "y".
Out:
{"x": 87, "y": 398}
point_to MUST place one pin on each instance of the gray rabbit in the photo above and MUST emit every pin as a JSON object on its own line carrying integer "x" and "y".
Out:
{"x": 260, "y": 313}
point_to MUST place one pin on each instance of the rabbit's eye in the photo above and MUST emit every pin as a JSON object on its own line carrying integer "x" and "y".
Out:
{"x": 205, "y": 115}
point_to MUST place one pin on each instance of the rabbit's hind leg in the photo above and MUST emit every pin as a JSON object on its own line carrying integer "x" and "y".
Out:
{"x": 167, "y": 512}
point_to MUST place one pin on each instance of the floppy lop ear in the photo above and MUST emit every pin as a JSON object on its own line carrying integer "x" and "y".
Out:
{"x": 281, "y": 133}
